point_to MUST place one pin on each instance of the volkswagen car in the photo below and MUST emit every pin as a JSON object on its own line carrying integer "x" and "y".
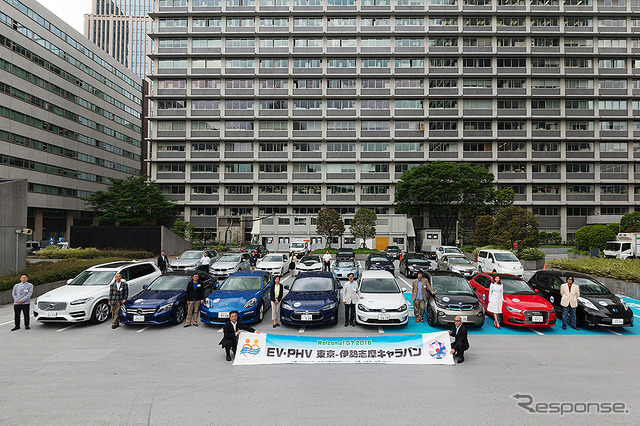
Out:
{"x": 246, "y": 291}
{"x": 381, "y": 300}
{"x": 230, "y": 263}
{"x": 190, "y": 260}
{"x": 522, "y": 306}
{"x": 309, "y": 263}
{"x": 313, "y": 298}
{"x": 380, "y": 261}
{"x": 164, "y": 300}
{"x": 412, "y": 263}
{"x": 454, "y": 297}
{"x": 596, "y": 304}
{"x": 275, "y": 263}
{"x": 342, "y": 268}
{"x": 457, "y": 263}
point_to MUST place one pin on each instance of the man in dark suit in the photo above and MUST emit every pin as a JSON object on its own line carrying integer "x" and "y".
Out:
{"x": 195, "y": 297}
{"x": 118, "y": 294}
{"x": 231, "y": 331}
{"x": 460, "y": 342}
{"x": 163, "y": 261}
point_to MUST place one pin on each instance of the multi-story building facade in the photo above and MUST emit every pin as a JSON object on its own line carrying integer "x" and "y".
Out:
{"x": 71, "y": 116}
{"x": 286, "y": 106}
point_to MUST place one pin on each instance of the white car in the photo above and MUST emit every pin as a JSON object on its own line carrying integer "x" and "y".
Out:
{"x": 381, "y": 300}
{"x": 86, "y": 297}
{"x": 309, "y": 263}
{"x": 500, "y": 261}
{"x": 275, "y": 263}
{"x": 442, "y": 250}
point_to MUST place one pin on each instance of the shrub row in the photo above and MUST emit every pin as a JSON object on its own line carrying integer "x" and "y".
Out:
{"x": 625, "y": 270}
{"x": 53, "y": 252}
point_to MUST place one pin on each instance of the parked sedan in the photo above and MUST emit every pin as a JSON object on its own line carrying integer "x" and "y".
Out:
{"x": 393, "y": 252}
{"x": 190, "y": 260}
{"x": 454, "y": 297}
{"x": 522, "y": 305}
{"x": 313, "y": 299}
{"x": 309, "y": 263}
{"x": 381, "y": 300}
{"x": 380, "y": 261}
{"x": 411, "y": 264}
{"x": 230, "y": 263}
{"x": 345, "y": 254}
{"x": 342, "y": 269}
{"x": 457, "y": 263}
{"x": 277, "y": 264}
{"x": 247, "y": 292}
{"x": 164, "y": 300}
{"x": 596, "y": 304}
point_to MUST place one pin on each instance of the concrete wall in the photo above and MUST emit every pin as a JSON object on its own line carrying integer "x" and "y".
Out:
{"x": 13, "y": 216}
{"x": 38, "y": 290}
{"x": 173, "y": 244}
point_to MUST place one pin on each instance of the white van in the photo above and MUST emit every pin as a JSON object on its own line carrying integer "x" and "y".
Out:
{"x": 500, "y": 261}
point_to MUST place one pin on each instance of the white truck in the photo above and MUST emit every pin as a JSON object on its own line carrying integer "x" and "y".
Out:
{"x": 429, "y": 239}
{"x": 299, "y": 247}
{"x": 627, "y": 245}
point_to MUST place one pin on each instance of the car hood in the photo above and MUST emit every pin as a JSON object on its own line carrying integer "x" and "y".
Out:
{"x": 606, "y": 302}
{"x": 227, "y": 300}
{"x": 345, "y": 268}
{"x": 309, "y": 265}
{"x": 184, "y": 262}
{"x": 382, "y": 300}
{"x": 225, "y": 265}
{"x": 154, "y": 298}
{"x": 269, "y": 264}
{"x": 69, "y": 293}
{"x": 380, "y": 263}
{"x": 528, "y": 302}
{"x": 422, "y": 266}
{"x": 310, "y": 300}
{"x": 455, "y": 299}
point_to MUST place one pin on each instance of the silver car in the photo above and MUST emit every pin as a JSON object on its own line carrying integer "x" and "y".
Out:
{"x": 457, "y": 263}
{"x": 190, "y": 260}
{"x": 230, "y": 263}
{"x": 454, "y": 297}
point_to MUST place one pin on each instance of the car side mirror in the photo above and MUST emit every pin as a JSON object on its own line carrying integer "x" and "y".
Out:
{"x": 216, "y": 285}
{"x": 69, "y": 280}
{"x": 286, "y": 287}
{"x": 144, "y": 287}
{"x": 536, "y": 290}
{"x": 339, "y": 287}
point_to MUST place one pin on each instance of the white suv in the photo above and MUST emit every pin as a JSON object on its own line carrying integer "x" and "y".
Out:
{"x": 500, "y": 261}
{"x": 86, "y": 297}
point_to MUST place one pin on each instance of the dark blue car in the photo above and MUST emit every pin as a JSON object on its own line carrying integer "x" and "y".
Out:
{"x": 164, "y": 300}
{"x": 248, "y": 292}
{"x": 313, "y": 299}
{"x": 380, "y": 261}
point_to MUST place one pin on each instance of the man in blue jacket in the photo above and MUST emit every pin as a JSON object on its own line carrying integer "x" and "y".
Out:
{"x": 195, "y": 297}
{"x": 21, "y": 297}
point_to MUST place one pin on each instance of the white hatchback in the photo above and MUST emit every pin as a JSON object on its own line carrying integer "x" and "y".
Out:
{"x": 86, "y": 297}
{"x": 381, "y": 300}
{"x": 499, "y": 261}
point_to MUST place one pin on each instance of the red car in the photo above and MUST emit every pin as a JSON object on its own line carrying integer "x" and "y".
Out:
{"x": 522, "y": 306}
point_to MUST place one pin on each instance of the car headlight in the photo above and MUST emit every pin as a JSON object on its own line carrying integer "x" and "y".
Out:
{"x": 329, "y": 307}
{"x": 165, "y": 307}
{"x": 624, "y": 304}
{"x": 287, "y": 306}
{"x": 207, "y": 303}
{"x": 510, "y": 309}
{"x": 439, "y": 304}
{"x": 250, "y": 302}
{"x": 587, "y": 303}
{"x": 402, "y": 308}
{"x": 81, "y": 301}
{"x": 362, "y": 307}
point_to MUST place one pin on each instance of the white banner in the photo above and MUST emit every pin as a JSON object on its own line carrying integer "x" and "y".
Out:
{"x": 431, "y": 348}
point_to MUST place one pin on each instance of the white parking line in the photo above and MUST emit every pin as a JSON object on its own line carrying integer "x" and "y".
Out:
{"x": 637, "y": 316}
{"x": 142, "y": 329}
{"x": 10, "y": 322}
{"x": 380, "y": 330}
{"x": 66, "y": 328}
{"x": 614, "y": 332}
{"x": 536, "y": 331}
{"x": 220, "y": 330}
{"x": 301, "y": 329}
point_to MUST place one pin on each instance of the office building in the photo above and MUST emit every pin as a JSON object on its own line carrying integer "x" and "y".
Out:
{"x": 71, "y": 116}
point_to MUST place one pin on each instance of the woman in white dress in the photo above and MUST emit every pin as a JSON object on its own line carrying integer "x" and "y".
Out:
{"x": 495, "y": 300}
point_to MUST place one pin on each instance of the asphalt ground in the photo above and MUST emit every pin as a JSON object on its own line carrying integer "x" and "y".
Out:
{"x": 91, "y": 374}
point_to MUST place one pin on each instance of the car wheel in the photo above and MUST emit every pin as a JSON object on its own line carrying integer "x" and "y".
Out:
{"x": 261, "y": 312}
{"x": 100, "y": 312}
{"x": 180, "y": 314}
{"x": 431, "y": 316}
{"x": 482, "y": 323}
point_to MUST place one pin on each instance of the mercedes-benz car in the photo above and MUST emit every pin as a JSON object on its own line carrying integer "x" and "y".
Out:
{"x": 412, "y": 263}
{"x": 380, "y": 261}
{"x": 230, "y": 263}
{"x": 454, "y": 297}
{"x": 597, "y": 305}
{"x": 313, "y": 298}
{"x": 164, "y": 300}
{"x": 275, "y": 263}
{"x": 309, "y": 263}
{"x": 381, "y": 300}
{"x": 457, "y": 263}
{"x": 190, "y": 260}
{"x": 342, "y": 268}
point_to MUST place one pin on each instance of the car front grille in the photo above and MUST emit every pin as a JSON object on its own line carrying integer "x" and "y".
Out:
{"x": 453, "y": 307}
{"x": 385, "y": 310}
{"x": 136, "y": 311}
{"x": 543, "y": 314}
{"x": 52, "y": 306}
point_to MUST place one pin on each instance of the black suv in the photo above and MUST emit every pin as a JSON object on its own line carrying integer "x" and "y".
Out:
{"x": 345, "y": 254}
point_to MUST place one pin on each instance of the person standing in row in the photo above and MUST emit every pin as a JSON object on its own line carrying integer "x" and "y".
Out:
{"x": 118, "y": 294}
{"x": 253, "y": 260}
{"x": 496, "y": 293}
{"x": 460, "y": 342}
{"x": 292, "y": 264}
{"x": 569, "y": 302}
{"x": 277, "y": 291}
{"x": 231, "y": 330}
{"x": 326, "y": 261}
{"x": 22, "y": 301}
{"x": 163, "y": 262}
{"x": 205, "y": 261}
{"x": 420, "y": 291}
{"x": 350, "y": 298}
{"x": 195, "y": 297}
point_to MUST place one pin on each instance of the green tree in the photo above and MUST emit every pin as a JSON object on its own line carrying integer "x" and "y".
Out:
{"x": 555, "y": 237}
{"x": 329, "y": 225}
{"x": 130, "y": 201}
{"x": 363, "y": 225}
{"x": 543, "y": 237}
{"x": 615, "y": 227}
{"x": 515, "y": 224}
{"x": 483, "y": 235}
{"x": 628, "y": 220}
{"x": 450, "y": 191}
{"x": 594, "y": 236}
{"x": 183, "y": 229}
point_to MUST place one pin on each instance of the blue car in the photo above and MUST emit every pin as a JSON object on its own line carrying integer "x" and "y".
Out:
{"x": 342, "y": 269}
{"x": 247, "y": 292}
{"x": 312, "y": 299}
{"x": 164, "y": 300}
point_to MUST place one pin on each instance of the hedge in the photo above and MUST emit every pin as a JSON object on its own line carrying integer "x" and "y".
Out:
{"x": 53, "y": 252}
{"x": 335, "y": 250}
{"x": 625, "y": 270}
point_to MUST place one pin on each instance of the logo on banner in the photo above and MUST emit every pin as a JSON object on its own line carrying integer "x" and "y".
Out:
{"x": 439, "y": 350}
{"x": 249, "y": 350}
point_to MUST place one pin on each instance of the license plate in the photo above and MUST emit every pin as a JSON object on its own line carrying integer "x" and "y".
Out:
{"x": 307, "y": 317}
{"x": 537, "y": 318}
{"x": 617, "y": 321}
{"x": 383, "y": 317}
{"x": 51, "y": 314}
{"x": 463, "y": 318}
{"x": 223, "y": 314}
{"x": 138, "y": 318}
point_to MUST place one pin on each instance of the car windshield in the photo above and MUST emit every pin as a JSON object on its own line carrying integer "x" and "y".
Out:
{"x": 191, "y": 255}
{"x": 229, "y": 258}
{"x": 505, "y": 257}
{"x": 418, "y": 261}
{"x": 93, "y": 278}
{"x": 272, "y": 258}
{"x": 393, "y": 248}
{"x": 379, "y": 285}
{"x": 459, "y": 261}
{"x": 347, "y": 264}
{"x": 241, "y": 283}
{"x": 297, "y": 245}
{"x": 169, "y": 282}
{"x": 380, "y": 258}
{"x": 451, "y": 285}
{"x": 310, "y": 259}
{"x": 515, "y": 286}
{"x": 312, "y": 284}
{"x": 452, "y": 250}
{"x": 614, "y": 246}
{"x": 589, "y": 287}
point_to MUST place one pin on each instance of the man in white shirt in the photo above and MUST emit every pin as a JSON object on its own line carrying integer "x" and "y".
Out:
{"x": 205, "y": 260}
{"x": 326, "y": 261}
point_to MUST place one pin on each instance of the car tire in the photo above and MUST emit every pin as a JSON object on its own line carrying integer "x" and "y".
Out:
{"x": 431, "y": 316}
{"x": 261, "y": 312}
{"x": 482, "y": 323}
{"x": 100, "y": 312}
{"x": 180, "y": 314}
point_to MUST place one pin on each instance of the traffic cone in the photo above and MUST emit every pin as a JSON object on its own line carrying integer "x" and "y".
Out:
{"x": 544, "y": 268}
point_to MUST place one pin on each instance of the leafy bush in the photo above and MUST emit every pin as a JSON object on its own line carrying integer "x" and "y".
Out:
{"x": 593, "y": 236}
{"x": 334, "y": 251}
{"x": 47, "y": 272}
{"x": 53, "y": 252}
{"x": 625, "y": 270}
{"x": 468, "y": 248}
{"x": 477, "y": 249}
{"x": 483, "y": 234}
{"x": 629, "y": 220}
{"x": 530, "y": 254}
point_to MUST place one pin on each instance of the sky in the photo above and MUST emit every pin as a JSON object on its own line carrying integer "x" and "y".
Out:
{"x": 70, "y": 11}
